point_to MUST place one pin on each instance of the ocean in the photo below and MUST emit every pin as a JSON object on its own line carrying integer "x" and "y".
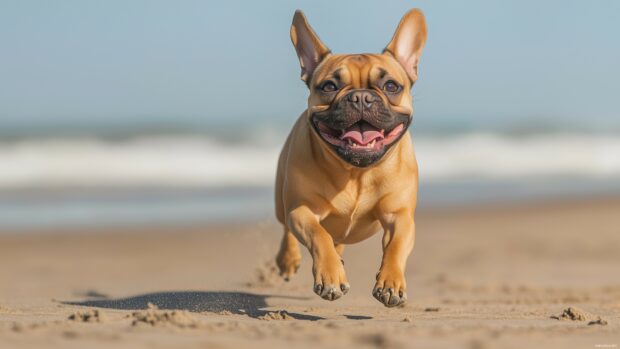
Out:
{"x": 89, "y": 179}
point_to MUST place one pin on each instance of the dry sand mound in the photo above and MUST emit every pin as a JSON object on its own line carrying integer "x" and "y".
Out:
{"x": 91, "y": 315}
{"x": 576, "y": 314}
{"x": 155, "y": 317}
{"x": 276, "y": 315}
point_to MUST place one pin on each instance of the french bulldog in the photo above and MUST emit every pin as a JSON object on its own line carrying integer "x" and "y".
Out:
{"x": 347, "y": 169}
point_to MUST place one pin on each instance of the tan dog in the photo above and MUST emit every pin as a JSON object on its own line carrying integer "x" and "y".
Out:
{"x": 347, "y": 169}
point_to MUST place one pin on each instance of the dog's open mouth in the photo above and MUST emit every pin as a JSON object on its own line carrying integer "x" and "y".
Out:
{"x": 361, "y": 136}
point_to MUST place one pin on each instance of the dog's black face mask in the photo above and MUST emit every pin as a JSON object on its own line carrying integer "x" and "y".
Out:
{"x": 360, "y": 127}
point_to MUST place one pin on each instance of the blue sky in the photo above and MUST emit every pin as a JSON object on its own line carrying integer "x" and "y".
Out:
{"x": 86, "y": 63}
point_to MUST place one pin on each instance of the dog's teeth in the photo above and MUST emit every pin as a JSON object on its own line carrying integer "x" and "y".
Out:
{"x": 372, "y": 144}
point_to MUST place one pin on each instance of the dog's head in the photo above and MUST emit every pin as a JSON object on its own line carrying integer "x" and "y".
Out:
{"x": 360, "y": 104}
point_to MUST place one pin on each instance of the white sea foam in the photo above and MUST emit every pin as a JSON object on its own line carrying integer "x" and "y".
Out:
{"x": 489, "y": 155}
{"x": 189, "y": 161}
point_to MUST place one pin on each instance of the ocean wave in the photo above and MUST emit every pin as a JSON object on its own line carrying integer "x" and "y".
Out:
{"x": 202, "y": 161}
{"x": 488, "y": 155}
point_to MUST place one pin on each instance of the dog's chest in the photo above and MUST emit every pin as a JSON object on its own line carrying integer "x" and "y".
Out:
{"x": 351, "y": 215}
{"x": 352, "y": 202}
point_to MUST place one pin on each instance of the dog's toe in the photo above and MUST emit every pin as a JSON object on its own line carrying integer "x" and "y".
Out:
{"x": 331, "y": 292}
{"x": 389, "y": 297}
{"x": 318, "y": 289}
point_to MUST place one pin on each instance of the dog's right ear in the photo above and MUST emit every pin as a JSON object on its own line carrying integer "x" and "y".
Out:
{"x": 309, "y": 47}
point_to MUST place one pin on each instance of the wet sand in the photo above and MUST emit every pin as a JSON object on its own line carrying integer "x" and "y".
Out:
{"x": 544, "y": 275}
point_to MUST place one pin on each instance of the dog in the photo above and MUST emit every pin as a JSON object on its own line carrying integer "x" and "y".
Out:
{"x": 348, "y": 169}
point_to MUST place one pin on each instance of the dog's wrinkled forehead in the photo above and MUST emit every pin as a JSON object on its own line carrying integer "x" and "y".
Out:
{"x": 358, "y": 71}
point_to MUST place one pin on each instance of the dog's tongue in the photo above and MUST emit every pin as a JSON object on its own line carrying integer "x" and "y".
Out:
{"x": 362, "y": 133}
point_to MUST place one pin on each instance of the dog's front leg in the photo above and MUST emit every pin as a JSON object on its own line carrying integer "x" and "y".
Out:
{"x": 330, "y": 281}
{"x": 398, "y": 239}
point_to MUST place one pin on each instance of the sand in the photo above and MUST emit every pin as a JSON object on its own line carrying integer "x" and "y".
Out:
{"x": 533, "y": 275}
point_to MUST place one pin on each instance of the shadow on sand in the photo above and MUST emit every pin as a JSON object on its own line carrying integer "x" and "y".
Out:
{"x": 196, "y": 301}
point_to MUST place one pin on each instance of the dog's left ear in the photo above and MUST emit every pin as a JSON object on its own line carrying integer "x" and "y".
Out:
{"x": 309, "y": 47}
{"x": 408, "y": 41}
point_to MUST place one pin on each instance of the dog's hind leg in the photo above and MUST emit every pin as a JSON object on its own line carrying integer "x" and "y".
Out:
{"x": 289, "y": 256}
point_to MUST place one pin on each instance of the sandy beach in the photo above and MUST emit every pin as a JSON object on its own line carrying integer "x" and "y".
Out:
{"x": 542, "y": 275}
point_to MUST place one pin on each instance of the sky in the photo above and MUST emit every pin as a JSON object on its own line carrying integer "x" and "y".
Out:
{"x": 97, "y": 64}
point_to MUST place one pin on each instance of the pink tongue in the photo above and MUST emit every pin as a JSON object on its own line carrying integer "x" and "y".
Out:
{"x": 363, "y": 134}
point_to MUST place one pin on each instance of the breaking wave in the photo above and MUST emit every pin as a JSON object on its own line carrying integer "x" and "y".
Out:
{"x": 205, "y": 161}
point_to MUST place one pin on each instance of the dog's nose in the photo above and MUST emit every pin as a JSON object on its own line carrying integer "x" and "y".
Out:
{"x": 361, "y": 99}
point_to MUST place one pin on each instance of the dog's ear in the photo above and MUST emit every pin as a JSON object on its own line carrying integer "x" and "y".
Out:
{"x": 408, "y": 41}
{"x": 309, "y": 47}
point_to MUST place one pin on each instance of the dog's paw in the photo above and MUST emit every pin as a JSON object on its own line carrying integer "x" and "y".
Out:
{"x": 288, "y": 262}
{"x": 330, "y": 281}
{"x": 390, "y": 288}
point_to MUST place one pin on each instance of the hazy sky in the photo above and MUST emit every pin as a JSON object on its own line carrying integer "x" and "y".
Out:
{"x": 97, "y": 63}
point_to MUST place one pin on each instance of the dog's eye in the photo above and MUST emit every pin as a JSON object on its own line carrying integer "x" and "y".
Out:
{"x": 328, "y": 86}
{"x": 391, "y": 87}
